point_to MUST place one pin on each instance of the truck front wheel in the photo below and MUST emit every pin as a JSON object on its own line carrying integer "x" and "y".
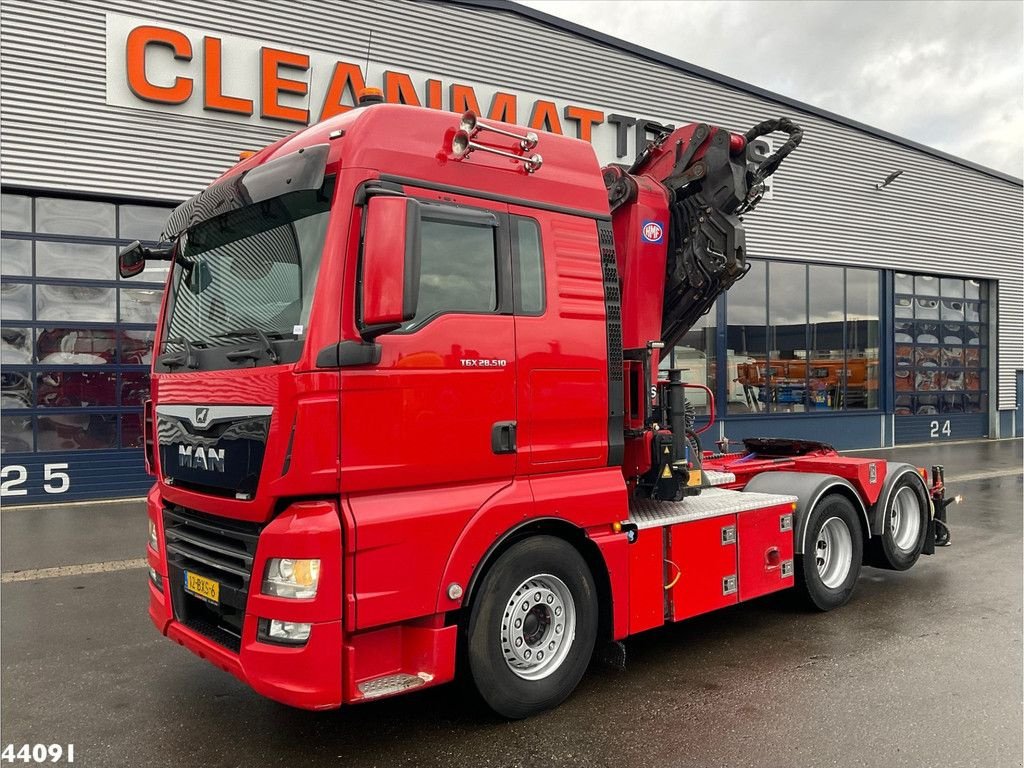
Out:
{"x": 532, "y": 627}
{"x": 833, "y": 549}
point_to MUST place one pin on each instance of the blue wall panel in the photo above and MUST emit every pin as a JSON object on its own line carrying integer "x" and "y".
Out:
{"x": 32, "y": 478}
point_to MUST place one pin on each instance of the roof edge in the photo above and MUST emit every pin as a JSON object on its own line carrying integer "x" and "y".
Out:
{"x": 731, "y": 82}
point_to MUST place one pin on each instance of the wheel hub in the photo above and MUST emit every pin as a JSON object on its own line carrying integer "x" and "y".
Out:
{"x": 833, "y": 552}
{"x": 538, "y": 626}
{"x": 905, "y": 519}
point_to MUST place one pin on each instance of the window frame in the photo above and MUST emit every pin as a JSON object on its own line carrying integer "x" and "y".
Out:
{"x": 517, "y": 288}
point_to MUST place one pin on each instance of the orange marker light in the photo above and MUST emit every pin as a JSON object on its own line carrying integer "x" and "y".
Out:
{"x": 617, "y": 526}
{"x": 245, "y": 154}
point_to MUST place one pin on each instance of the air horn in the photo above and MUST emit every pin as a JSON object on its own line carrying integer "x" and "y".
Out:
{"x": 470, "y": 126}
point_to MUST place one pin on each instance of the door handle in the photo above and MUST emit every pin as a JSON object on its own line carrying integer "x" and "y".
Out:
{"x": 503, "y": 437}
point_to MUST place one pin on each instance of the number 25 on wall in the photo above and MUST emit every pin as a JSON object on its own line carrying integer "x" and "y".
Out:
{"x": 14, "y": 477}
{"x": 940, "y": 429}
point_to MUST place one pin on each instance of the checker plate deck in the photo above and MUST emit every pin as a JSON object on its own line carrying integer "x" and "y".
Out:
{"x": 712, "y": 502}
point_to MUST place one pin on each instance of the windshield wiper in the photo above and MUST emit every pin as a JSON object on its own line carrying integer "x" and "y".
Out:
{"x": 187, "y": 357}
{"x": 251, "y": 353}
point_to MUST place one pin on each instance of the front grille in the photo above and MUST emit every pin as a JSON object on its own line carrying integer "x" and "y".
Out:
{"x": 216, "y": 548}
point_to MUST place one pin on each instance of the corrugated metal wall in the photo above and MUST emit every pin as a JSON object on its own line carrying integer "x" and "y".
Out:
{"x": 60, "y": 134}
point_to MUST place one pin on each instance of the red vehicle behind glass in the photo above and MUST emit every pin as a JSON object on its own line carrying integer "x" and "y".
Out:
{"x": 406, "y": 409}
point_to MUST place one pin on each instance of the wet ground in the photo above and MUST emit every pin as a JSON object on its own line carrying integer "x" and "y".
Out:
{"x": 922, "y": 668}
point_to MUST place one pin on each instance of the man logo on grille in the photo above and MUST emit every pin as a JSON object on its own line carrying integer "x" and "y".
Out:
{"x": 202, "y": 416}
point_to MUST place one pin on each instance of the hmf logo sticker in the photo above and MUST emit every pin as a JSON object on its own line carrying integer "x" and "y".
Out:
{"x": 652, "y": 232}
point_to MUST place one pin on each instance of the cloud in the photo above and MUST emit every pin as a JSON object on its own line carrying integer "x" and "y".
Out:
{"x": 946, "y": 74}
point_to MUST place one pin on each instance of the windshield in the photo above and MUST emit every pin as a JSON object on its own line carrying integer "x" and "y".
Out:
{"x": 248, "y": 274}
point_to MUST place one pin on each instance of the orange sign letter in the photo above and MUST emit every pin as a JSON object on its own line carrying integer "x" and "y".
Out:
{"x": 345, "y": 76}
{"x": 141, "y": 38}
{"x": 273, "y": 84}
{"x": 213, "y": 87}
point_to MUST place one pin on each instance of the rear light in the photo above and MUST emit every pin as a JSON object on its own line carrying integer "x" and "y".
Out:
{"x": 737, "y": 143}
{"x": 147, "y": 436}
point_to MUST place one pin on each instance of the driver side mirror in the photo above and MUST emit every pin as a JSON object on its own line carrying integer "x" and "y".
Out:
{"x": 391, "y": 264}
{"x": 131, "y": 260}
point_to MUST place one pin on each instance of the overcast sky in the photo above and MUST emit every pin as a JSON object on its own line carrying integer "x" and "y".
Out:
{"x": 946, "y": 74}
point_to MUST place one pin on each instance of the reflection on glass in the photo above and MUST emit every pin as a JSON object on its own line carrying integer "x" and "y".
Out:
{"x": 904, "y": 283}
{"x": 746, "y": 340}
{"x": 786, "y": 376}
{"x": 77, "y": 431}
{"x": 972, "y": 289}
{"x": 15, "y": 346}
{"x": 16, "y": 213}
{"x": 15, "y": 434}
{"x": 81, "y": 303}
{"x": 136, "y": 347}
{"x": 75, "y": 260}
{"x": 825, "y": 322}
{"x": 16, "y": 257}
{"x": 926, "y": 309}
{"x": 904, "y": 306}
{"x": 140, "y": 306}
{"x": 926, "y": 285}
{"x": 695, "y": 355}
{"x": 862, "y": 338}
{"x": 15, "y": 301}
{"x": 15, "y": 389}
{"x": 134, "y": 388}
{"x": 952, "y": 288}
{"x": 131, "y": 430}
{"x": 74, "y": 217}
{"x": 141, "y": 222}
{"x": 76, "y": 346}
{"x": 73, "y": 389}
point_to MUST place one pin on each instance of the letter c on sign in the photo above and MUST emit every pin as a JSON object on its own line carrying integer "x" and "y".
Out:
{"x": 139, "y": 39}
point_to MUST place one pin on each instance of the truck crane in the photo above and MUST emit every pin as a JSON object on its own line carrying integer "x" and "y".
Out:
{"x": 407, "y": 420}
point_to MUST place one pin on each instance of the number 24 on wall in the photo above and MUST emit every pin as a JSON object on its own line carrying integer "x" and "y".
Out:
{"x": 939, "y": 429}
{"x": 13, "y": 477}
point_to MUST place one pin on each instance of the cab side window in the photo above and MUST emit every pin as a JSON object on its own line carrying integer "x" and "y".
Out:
{"x": 529, "y": 266}
{"x": 458, "y": 268}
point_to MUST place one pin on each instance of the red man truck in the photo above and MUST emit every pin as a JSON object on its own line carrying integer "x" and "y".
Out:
{"x": 407, "y": 417}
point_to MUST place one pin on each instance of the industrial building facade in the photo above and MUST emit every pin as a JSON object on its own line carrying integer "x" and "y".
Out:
{"x": 872, "y": 315}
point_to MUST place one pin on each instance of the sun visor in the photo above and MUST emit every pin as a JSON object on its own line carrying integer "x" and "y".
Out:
{"x": 299, "y": 171}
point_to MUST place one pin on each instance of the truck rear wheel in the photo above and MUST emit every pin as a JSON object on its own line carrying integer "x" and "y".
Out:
{"x": 532, "y": 627}
{"x": 904, "y": 525}
{"x": 833, "y": 549}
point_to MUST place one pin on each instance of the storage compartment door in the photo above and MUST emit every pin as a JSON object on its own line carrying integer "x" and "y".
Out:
{"x": 765, "y": 550}
{"x": 704, "y": 552}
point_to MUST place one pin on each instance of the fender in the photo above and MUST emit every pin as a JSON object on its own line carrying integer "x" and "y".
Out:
{"x": 808, "y": 487}
{"x": 895, "y": 470}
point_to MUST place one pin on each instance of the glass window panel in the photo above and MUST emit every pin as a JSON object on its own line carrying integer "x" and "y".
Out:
{"x": 74, "y": 389}
{"x": 904, "y": 405}
{"x": 15, "y": 389}
{"x": 746, "y": 340}
{"x": 927, "y": 332}
{"x": 76, "y": 346}
{"x": 972, "y": 311}
{"x": 695, "y": 355}
{"x": 952, "y": 381}
{"x": 136, "y": 347}
{"x": 15, "y": 345}
{"x": 16, "y": 434}
{"x": 786, "y": 376}
{"x": 904, "y": 283}
{"x": 15, "y": 301}
{"x": 828, "y": 347}
{"x": 467, "y": 283}
{"x": 131, "y": 430}
{"x": 82, "y": 303}
{"x": 951, "y": 403}
{"x": 141, "y": 222}
{"x": 972, "y": 289}
{"x": 140, "y": 305}
{"x": 972, "y": 357}
{"x": 926, "y": 285}
{"x": 83, "y": 260}
{"x": 952, "y": 309}
{"x": 862, "y": 338}
{"x": 531, "y": 266}
{"x": 972, "y": 335}
{"x": 77, "y": 431}
{"x": 952, "y": 288}
{"x": 973, "y": 379}
{"x": 904, "y": 306}
{"x": 16, "y": 257}
{"x": 134, "y": 388}
{"x": 16, "y": 213}
{"x": 952, "y": 333}
{"x": 926, "y": 308}
{"x": 74, "y": 217}
{"x": 975, "y": 402}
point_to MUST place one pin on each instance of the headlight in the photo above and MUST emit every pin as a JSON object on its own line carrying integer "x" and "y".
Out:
{"x": 152, "y": 536}
{"x": 286, "y": 577}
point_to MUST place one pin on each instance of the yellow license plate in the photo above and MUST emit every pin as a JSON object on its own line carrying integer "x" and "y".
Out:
{"x": 201, "y": 587}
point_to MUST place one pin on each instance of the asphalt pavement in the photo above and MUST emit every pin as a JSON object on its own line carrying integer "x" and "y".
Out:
{"x": 922, "y": 668}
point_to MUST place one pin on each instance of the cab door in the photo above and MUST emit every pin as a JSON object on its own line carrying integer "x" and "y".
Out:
{"x": 439, "y": 410}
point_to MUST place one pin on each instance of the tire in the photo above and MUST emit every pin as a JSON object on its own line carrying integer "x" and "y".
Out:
{"x": 833, "y": 550}
{"x": 904, "y": 527}
{"x": 505, "y": 649}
